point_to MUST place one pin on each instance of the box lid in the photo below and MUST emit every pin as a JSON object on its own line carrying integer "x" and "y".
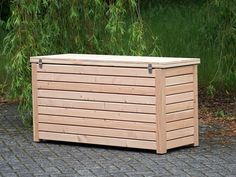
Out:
{"x": 115, "y": 60}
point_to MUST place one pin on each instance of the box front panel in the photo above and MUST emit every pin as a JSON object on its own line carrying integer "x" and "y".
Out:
{"x": 180, "y": 106}
{"x": 97, "y": 104}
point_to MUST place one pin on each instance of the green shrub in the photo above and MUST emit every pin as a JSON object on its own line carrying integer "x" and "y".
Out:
{"x": 219, "y": 38}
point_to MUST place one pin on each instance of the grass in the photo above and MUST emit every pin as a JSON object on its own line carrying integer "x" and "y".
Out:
{"x": 179, "y": 29}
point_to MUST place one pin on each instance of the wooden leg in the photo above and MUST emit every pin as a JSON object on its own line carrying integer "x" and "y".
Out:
{"x": 160, "y": 111}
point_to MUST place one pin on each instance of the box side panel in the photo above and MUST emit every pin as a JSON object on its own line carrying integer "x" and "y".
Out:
{"x": 180, "y": 107}
{"x": 98, "y": 105}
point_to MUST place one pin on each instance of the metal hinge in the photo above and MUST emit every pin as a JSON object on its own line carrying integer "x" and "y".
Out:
{"x": 149, "y": 68}
{"x": 40, "y": 63}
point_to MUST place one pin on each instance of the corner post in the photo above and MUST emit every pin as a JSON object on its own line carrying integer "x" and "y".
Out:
{"x": 35, "y": 102}
{"x": 160, "y": 111}
{"x": 196, "y": 131}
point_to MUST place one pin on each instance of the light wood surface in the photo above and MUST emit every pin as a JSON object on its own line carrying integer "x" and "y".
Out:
{"x": 180, "y": 124}
{"x": 179, "y": 97}
{"x": 115, "y": 100}
{"x": 137, "y": 117}
{"x": 115, "y": 60}
{"x": 180, "y": 142}
{"x": 196, "y": 131}
{"x": 160, "y": 113}
{"x": 94, "y": 70}
{"x": 115, "y": 80}
{"x": 175, "y": 107}
{"x": 35, "y": 102}
{"x": 175, "y": 134}
{"x": 102, "y": 88}
{"x": 182, "y": 79}
{"x": 179, "y": 88}
{"x": 179, "y": 71}
{"x": 90, "y": 96}
{"x": 179, "y": 115}
{"x": 95, "y": 131}
{"x": 97, "y": 105}
{"x": 98, "y": 140}
{"x": 90, "y": 122}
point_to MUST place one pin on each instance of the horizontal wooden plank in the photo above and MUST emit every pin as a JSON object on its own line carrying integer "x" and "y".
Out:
{"x": 123, "y": 107}
{"x": 96, "y": 70}
{"x": 175, "y": 89}
{"x": 95, "y": 131}
{"x": 179, "y": 97}
{"x": 115, "y": 124}
{"x": 179, "y": 115}
{"x": 133, "y": 90}
{"x": 179, "y": 71}
{"x": 98, "y": 140}
{"x": 179, "y": 106}
{"x": 89, "y": 96}
{"x": 180, "y": 142}
{"x": 179, "y": 79}
{"x": 174, "y": 134}
{"x": 179, "y": 124}
{"x": 138, "y": 117}
{"x": 114, "y": 80}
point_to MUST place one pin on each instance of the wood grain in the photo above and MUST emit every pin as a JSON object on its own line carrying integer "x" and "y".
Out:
{"x": 175, "y": 89}
{"x": 98, "y": 140}
{"x": 90, "y": 122}
{"x": 196, "y": 131}
{"x": 97, "y": 105}
{"x": 35, "y": 102}
{"x": 160, "y": 113}
{"x": 102, "y": 88}
{"x": 179, "y": 79}
{"x": 180, "y": 124}
{"x": 180, "y": 142}
{"x": 94, "y": 70}
{"x": 137, "y": 117}
{"x": 180, "y": 133}
{"x": 179, "y": 71}
{"x": 90, "y": 96}
{"x": 115, "y": 80}
{"x": 96, "y": 131}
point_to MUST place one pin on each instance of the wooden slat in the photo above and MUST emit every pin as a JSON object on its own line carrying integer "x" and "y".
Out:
{"x": 179, "y": 106}
{"x": 89, "y": 96}
{"x": 179, "y": 124}
{"x": 179, "y": 115}
{"x": 180, "y": 133}
{"x": 175, "y": 89}
{"x": 180, "y": 142}
{"x": 136, "y": 90}
{"x": 116, "y": 124}
{"x": 123, "y": 107}
{"x": 179, "y": 79}
{"x": 95, "y": 131}
{"x": 160, "y": 113}
{"x": 97, "y": 70}
{"x": 138, "y": 117}
{"x": 115, "y": 80}
{"x": 98, "y": 140}
{"x": 35, "y": 102}
{"x": 196, "y": 131}
{"x": 179, "y": 97}
{"x": 179, "y": 71}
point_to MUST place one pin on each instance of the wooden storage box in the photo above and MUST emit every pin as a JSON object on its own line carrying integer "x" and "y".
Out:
{"x": 138, "y": 102}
